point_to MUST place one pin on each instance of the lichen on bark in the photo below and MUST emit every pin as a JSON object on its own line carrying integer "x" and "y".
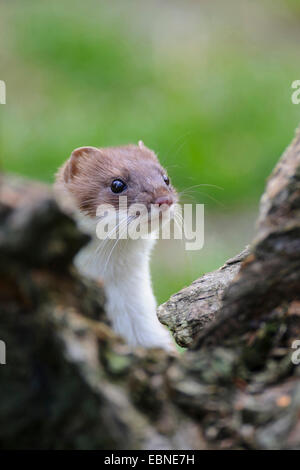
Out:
{"x": 70, "y": 383}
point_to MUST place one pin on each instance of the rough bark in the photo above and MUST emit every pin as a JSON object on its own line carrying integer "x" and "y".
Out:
{"x": 69, "y": 382}
{"x": 194, "y": 307}
{"x": 269, "y": 278}
{"x": 259, "y": 279}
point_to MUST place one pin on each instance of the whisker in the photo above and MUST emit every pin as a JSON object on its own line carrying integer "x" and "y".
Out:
{"x": 101, "y": 247}
{"x": 116, "y": 242}
{"x": 185, "y": 193}
{"x": 106, "y": 240}
{"x": 177, "y": 142}
{"x": 201, "y": 185}
{"x": 187, "y": 198}
{"x": 212, "y": 198}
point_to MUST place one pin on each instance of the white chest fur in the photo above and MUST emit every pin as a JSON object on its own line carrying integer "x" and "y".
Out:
{"x": 131, "y": 306}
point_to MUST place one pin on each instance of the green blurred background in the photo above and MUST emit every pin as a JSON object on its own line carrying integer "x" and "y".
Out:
{"x": 206, "y": 84}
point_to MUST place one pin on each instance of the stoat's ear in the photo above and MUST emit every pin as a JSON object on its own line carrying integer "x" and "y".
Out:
{"x": 72, "y": 166}
{"x": 141, "y": 144}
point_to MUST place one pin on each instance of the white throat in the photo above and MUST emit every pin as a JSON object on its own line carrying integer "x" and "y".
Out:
{"x": 124, "y": 267}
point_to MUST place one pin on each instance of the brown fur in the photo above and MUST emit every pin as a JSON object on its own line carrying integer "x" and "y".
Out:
{"x": 89, "y": 172}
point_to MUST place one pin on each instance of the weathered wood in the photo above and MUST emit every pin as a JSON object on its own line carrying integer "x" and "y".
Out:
{"x": 194, "y": 307}
{"x": 69, "y": 382}
{"x": 269, "y": 277}
{"x": 265, "y": 276}
{"x": 239, "y": 377}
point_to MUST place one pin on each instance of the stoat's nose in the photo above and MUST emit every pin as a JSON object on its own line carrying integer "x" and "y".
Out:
{"x": 168, "y": 200}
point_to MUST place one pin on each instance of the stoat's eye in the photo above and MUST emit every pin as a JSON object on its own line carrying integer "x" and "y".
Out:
{"x": 166, "y": 180}
{"x": 117, "y": 186}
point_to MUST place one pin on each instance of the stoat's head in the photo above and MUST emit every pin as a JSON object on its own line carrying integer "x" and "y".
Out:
{"x": 96, "y": 176}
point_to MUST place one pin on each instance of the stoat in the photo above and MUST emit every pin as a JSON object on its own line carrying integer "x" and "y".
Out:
{"x": 92, "y": 177}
